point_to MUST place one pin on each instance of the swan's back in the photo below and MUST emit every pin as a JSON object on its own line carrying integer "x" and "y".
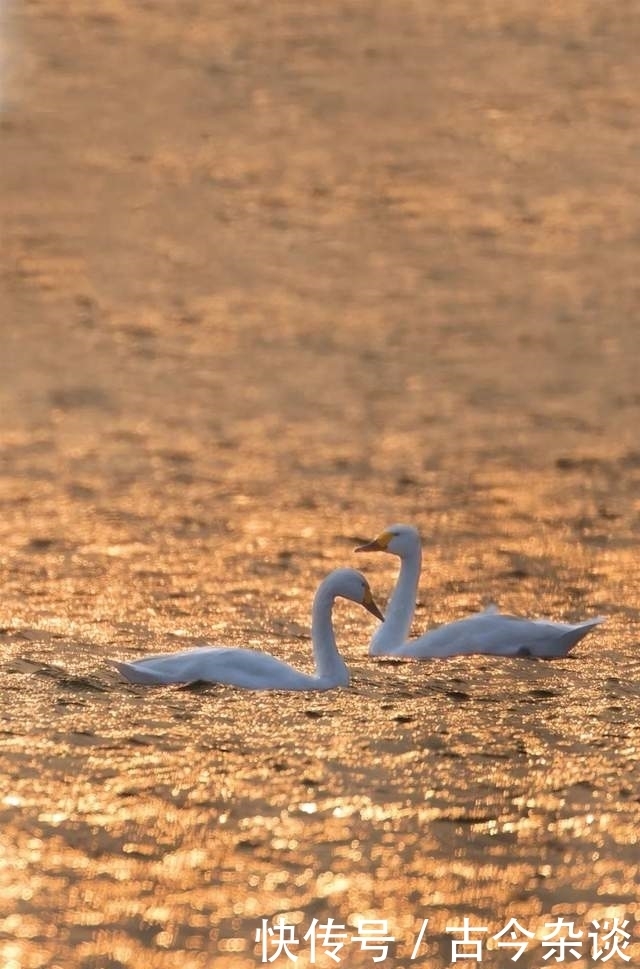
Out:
{"x": 246, "y": 668}
{"x": 498, "y": 634}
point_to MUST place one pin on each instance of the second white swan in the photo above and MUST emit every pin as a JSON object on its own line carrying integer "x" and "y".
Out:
{"x": 489, "y": 632}
{"x": 254, "y": 670}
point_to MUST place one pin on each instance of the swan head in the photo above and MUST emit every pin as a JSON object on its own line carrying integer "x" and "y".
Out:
{"x": 351, "y": 584}
{"x": 402, "y": 540}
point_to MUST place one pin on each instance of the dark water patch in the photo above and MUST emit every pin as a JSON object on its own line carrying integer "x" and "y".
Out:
{"x": 82, "y": 397}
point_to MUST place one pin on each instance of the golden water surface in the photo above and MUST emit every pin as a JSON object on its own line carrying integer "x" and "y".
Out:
{"x": 275, "y": 276}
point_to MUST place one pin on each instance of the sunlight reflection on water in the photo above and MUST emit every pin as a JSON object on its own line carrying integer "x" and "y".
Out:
{"x": 259, "y": 313}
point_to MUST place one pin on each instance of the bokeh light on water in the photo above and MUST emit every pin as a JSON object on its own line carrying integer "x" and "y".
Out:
{"x": 275, "y": 280}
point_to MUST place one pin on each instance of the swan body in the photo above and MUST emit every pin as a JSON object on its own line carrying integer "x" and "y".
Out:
{"x": 254, "y": 670}
{"x": 489, "y": 632}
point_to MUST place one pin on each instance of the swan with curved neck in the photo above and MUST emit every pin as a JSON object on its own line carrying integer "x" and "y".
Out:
{"x": 254, "y": 670}
{"x": 489, "y": 632}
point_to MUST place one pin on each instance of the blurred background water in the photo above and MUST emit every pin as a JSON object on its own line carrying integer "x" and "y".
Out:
{"x": 274, "y": 277}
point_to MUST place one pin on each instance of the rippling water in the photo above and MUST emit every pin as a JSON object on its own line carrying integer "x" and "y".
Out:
{"x": 277, "y": 277}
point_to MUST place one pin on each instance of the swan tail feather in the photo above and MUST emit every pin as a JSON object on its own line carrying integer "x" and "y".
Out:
{"x": 135, "y": 674}
{"x": 579, "y": 631}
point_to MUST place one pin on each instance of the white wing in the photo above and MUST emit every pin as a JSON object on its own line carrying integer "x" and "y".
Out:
{"x": 500, "y": 635}
{"x": 247, "y": 668}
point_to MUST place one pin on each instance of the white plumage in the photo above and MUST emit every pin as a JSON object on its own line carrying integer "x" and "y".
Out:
{"x": 490, "y": 632}
{"x": 254, "y": 670}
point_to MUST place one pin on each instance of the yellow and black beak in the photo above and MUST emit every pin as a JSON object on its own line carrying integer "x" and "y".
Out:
{"x": 379, "y": 544}
{"x": 369, "y": 604}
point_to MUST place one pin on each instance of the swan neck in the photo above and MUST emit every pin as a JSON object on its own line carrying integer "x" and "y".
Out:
{"x": 328, "y": 661}
{"x": 394, "y": 631}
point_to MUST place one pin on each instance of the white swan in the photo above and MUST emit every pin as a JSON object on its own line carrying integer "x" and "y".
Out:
{"x": 254, "y": 670}
{"x": 485, "y": 632}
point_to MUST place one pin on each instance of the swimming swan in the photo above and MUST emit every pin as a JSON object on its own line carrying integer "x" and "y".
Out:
{"x": 254, "y": 670}
{"x": 485, "y": 632}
